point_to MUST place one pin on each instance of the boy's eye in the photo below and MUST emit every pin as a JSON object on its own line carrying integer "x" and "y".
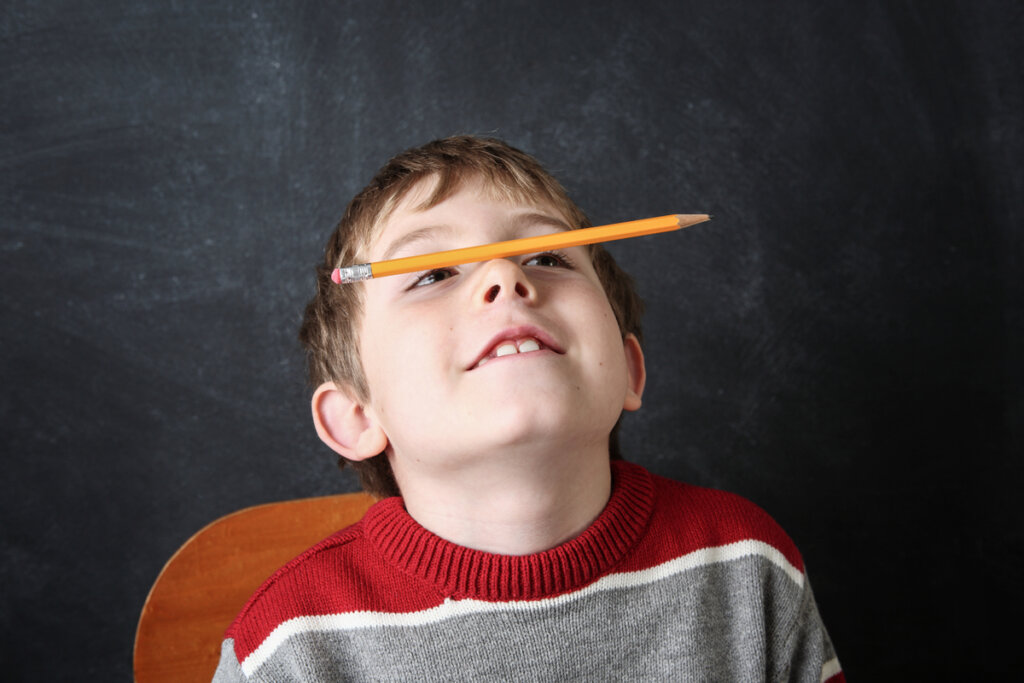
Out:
{"x": 433, "y": 276}
{"x": 548, "y": 260}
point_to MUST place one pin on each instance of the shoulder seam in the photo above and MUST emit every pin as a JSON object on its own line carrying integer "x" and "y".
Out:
{"x": 336, "y": 540}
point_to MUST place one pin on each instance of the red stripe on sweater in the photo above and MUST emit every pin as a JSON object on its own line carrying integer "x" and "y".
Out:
{"x": 690, "y": 518}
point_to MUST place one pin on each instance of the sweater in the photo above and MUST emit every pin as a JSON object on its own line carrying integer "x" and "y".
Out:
{"x": 670, "y": 582}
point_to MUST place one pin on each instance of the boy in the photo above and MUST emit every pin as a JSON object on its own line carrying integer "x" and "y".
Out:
{"x": 487, "y": 396}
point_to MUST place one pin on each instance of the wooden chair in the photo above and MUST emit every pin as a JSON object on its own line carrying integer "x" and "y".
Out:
{"x": 208, "y": 580}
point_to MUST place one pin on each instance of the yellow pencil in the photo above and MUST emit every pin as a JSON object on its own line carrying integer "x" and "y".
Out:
{"x": 526, "y": 245}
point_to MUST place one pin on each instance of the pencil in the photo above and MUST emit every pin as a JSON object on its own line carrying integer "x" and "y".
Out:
{"x": 526, "y": 245}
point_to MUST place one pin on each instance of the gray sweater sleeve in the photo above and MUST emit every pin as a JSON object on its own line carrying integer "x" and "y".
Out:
{"x": 228, "y": 671}
{"x": 806, "y": 651}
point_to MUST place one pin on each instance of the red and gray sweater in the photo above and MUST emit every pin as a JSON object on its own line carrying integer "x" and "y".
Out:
{"x": 671, "y": 582}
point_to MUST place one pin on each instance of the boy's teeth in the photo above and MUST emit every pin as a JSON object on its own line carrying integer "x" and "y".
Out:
{"x": 529, "y": 345}
{"x": 506, "y": 349}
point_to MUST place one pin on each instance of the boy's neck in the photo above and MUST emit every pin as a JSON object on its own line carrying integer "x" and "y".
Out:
{"x": 513, "y": 507}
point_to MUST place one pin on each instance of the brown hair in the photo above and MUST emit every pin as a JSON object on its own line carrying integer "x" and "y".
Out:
{"x": 330, "y": 327}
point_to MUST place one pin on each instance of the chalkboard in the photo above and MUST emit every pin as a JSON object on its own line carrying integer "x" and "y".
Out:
{"x": 842, "y": 344}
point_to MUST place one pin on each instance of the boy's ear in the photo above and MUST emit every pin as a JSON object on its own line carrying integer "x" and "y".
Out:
{"x": 345, "y": 425}
{"x": 637, "y": 372}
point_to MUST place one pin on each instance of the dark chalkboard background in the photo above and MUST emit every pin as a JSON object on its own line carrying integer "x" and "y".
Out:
{"x": 843, "y": 344}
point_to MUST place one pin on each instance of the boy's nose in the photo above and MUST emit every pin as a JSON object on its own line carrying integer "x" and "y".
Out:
{"x": 502, "y": 278}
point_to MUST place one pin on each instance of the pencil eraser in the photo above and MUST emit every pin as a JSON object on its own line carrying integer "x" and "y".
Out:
{"x": 336, "y": 276}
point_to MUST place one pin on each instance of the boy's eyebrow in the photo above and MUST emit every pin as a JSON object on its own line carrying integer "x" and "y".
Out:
{"x": 514, "y": 224}
{"x": 418, "y": 235}
{"x": 525, "y": 219}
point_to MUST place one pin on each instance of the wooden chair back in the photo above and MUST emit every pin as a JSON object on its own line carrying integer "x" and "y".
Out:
{"x": 205, "y": 584}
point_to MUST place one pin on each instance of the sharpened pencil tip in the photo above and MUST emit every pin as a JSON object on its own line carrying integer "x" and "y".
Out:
{"x": 686, "y": 220}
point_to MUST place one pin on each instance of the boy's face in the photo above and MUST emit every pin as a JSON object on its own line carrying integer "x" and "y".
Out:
{"x": 520, "y": 352}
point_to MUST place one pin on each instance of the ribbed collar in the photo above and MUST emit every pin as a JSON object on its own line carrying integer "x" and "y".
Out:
{"x": 465, "y": 573}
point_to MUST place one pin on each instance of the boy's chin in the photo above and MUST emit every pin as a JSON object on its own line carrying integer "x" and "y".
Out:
{"x": 537, "y": 426}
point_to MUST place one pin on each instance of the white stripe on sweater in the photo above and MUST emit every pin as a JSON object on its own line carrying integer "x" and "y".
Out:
{"x": 450, "y": 609}
{"x": 830, "y": 669}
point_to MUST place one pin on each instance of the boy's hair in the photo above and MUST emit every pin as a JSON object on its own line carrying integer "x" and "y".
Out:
{"x": 330, "y": 327}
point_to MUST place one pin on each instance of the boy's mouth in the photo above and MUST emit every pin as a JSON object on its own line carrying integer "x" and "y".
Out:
{"x": 514, "y": 342}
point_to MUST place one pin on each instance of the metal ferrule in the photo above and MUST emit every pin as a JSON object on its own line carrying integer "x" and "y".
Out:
{"x": 355, "y": 273}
